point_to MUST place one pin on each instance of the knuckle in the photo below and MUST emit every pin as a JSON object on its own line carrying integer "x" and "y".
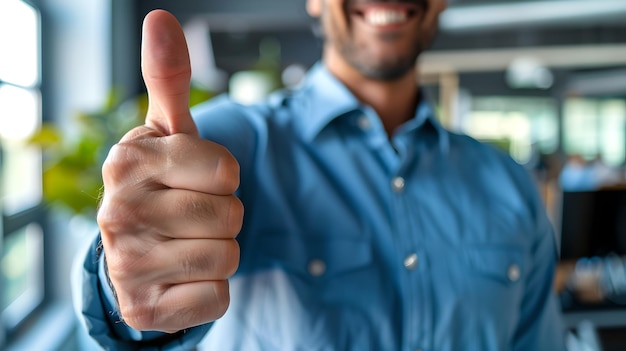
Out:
{"x": 137, "y": 315}
{"x": 234, "y": 217}
{"x": 227, "y": 172}
{"x": 137, "y": 307}
{"x": 121, "y": 213}
{"x": 119, "y": 163}
{"x": 122, "y": 267}
{"x": 126, "y": 255}
{"x": 133, "y": 161}
{"x": 221, "y": 299}
{"x": 233, "y": 253}
{"x": 111, "y": 217}
{"x": 127, "y": 267}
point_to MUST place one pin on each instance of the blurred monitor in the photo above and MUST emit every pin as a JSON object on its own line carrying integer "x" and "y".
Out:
{"x": 593, "y": 223}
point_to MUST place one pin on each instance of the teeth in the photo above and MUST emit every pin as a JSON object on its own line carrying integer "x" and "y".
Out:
{"x": 381, "y": 17}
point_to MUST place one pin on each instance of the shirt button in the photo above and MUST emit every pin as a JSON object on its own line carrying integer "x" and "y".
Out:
{"x": 410, "y": 262}
{"x": 317, "y": 267}
{"x": 398, "y": 184}
{"x": 364, "y": 123}
{"x": 514, "y": 273}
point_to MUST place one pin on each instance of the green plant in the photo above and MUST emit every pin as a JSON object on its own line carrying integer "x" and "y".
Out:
{"x": 73, "y": 155}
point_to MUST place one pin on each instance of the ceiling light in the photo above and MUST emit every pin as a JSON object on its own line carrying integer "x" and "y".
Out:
{"x": 533, "y": 13}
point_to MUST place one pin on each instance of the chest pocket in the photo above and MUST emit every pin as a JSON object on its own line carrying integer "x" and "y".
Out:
{"x": 493, "y": 280}
{"x": 302, "y": 294}
{"x": 491, "y": 276}
{"x": 505, "y": 265}
{"x": 317, "y": 259}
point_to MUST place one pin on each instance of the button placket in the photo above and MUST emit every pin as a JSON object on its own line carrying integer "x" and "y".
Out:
{"x": 411, "y": 262}
{"x": 398, "y": 184}
{"x": 316, "y": 267}
{"x": 364, "y": 122}
{"x": 514, "y": 272}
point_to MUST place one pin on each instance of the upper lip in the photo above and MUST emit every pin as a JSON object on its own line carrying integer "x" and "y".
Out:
{"x": 411, "y": 6}
{"x": 358, "y": 3}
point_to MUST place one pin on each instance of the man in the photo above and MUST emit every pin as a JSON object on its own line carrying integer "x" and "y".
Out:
{"x": 367, "y": 227}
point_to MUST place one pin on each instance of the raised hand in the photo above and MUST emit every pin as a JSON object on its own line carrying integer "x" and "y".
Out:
{"x": 168, "y": 216}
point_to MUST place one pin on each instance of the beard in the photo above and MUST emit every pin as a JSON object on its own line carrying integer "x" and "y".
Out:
{"x": 388, "y": 68}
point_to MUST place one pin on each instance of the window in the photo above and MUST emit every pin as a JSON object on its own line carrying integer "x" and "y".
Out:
{"x": 595, "y": 128}
{"x": 522, "y": 126}
{"x": 21, "y": 233}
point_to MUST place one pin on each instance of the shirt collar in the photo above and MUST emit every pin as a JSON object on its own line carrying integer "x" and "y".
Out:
{"x": 425, "y": 118}
{"x": 328, "y": 99}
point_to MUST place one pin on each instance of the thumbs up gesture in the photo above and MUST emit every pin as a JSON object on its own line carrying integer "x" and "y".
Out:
{"x": 168, "y": 216}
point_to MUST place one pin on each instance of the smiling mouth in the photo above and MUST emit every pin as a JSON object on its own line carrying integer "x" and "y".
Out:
{"x": 386, "y": 14}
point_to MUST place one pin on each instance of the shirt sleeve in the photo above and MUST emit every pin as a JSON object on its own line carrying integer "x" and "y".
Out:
{"x": 241, "y": 130}
{"x": 540, "y": 326}
{"x": 96, "y": 306}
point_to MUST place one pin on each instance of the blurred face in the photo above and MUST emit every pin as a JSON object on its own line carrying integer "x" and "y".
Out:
{"x": 379, "y": 38}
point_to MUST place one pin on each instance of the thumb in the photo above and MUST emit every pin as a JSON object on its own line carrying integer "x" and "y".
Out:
{"x": 167, "y": 72}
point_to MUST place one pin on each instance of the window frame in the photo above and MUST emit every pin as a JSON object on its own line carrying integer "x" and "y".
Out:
{"x": 21, "y": 311}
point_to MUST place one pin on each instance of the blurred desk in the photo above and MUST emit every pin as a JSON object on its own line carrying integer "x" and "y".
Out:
{"x": 585, "y": 302}
{"x": 590, "y": 277}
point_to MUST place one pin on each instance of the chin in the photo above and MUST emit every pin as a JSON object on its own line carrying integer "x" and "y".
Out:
{"x": 387, "y": 75}
{"x": 384, "y": 67}
{"x": 385, "y": 72}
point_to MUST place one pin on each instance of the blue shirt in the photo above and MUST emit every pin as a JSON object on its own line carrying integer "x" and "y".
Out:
{"x": 352, "y": 240}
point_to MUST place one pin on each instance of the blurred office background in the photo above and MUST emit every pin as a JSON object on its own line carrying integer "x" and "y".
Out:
{"x": 544, "y": 80}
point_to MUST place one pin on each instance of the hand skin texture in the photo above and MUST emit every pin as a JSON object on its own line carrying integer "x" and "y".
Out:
{"x": 168, "y": 215}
